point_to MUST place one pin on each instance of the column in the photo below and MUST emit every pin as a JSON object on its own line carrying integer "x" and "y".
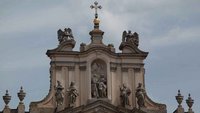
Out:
{"x": 130, "y": 85}
{"x": 66, "y": 85}
{"x": 77, "y": 83}
{"x": 83, "y": 96}
{"x": 109, "y": 82}
{"x": 118, "y": 84}
{"x": 134, "y": 87}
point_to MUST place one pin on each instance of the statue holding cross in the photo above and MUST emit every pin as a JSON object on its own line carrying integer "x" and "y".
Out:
{"x": 96, "y": 6}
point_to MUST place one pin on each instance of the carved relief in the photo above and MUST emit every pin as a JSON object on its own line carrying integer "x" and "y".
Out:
{"x": 99, "y": 79}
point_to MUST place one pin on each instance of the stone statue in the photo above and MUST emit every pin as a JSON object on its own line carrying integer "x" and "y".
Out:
{"x": 98, "y": 79}
{"x": 94, "y": 86}
{"x": 140, "y": 95}
{"x": 98, "y": 86}
{"x": 65, "y": 35}
{"x": 68, "y": 33}
{"x": 72, "y": 94}
{"x": 60, "y": 35}
{"x": 102, "y": 88}
{"x": 59, "y": 94}
{"x": 131, "y": 38}
{"x": 135, "y": 39}
{"x": 129, "y": 34}
{"x": 125, "y": 92}
{"x": 124, "y": 36}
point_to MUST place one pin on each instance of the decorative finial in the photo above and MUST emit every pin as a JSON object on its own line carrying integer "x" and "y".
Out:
{"x": 95, "y": 6}
{"x": 190, "y": 102}
{"x": 96, "y": 20}
{"x": 179, "y": 98}
{"x": 6, "y": 98}
{"x": 21, "y": 95}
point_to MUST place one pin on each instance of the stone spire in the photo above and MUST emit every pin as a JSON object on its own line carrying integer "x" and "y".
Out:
{"x": 96, "y": 33}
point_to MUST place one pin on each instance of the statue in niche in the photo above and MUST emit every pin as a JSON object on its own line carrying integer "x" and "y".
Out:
{"x": 98, "y": 80}
{"x": 102, "y": 89}
{"x": 125, "y": 92}
{"x": 59, "y": 94}
{"x": 65, "y": 35}
{"x": 94, "y": 85}
{"x": 140, "y": 95}
{"x": 129, "y": 37}
{"x": 72, "y": 94}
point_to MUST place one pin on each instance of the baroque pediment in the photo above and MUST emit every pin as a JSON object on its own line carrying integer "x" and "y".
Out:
{"x": 101, "y": 106}
{"x": 130, "y": 48}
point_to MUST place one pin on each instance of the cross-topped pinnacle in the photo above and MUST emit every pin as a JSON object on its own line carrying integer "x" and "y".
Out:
{"x": 95, "y": 6}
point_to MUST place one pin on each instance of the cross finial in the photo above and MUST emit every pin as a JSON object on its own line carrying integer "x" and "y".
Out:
{"x": 96, "y": 6}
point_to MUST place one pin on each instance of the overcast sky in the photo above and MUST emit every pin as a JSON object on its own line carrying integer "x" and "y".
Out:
{"x": 168, "y": 30}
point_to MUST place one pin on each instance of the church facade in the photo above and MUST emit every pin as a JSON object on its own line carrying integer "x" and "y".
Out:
{"x": 95, "y": 79}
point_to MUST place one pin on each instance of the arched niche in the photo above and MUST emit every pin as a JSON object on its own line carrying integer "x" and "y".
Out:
{"x": 98, "y": 79}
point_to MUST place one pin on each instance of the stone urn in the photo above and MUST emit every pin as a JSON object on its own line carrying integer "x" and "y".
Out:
{"x": 190, "y": 102}
{"x": 179, "y": 98}
{"x": 6, "y": 98}
{"x": 21, "y": 95}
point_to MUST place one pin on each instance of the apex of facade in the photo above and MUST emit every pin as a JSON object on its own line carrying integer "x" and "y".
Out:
{"x": 99, "y": 74}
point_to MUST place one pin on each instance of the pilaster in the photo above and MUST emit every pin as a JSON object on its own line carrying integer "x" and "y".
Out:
{"x": 66, "y": 71}
{"x": 109, "y": 82}
{"x": 77, "y": 83}
{"x": 83, "y": 92}
{"x": 21, "y": 108}
{"x": 130, "y": 82}
{"x": 132, "y": 71}
{"x": 6, "y": 110}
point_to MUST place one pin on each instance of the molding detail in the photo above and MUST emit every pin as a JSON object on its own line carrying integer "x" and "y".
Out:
{"x": 82, "y": 68}
{"x": 124, "y": 69}
{"x": 113, "y": 69}
{"x": 71, "y": 68}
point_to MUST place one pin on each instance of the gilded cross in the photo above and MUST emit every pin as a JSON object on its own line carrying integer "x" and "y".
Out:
{"x": 95, "y": 6}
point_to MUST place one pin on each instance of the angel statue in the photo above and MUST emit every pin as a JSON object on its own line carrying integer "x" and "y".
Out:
{"x": 124, "y": 34}
{"x": 60, "y": 35}
{"x": 68, "y": 33}
{"x": 65, "y": 35}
